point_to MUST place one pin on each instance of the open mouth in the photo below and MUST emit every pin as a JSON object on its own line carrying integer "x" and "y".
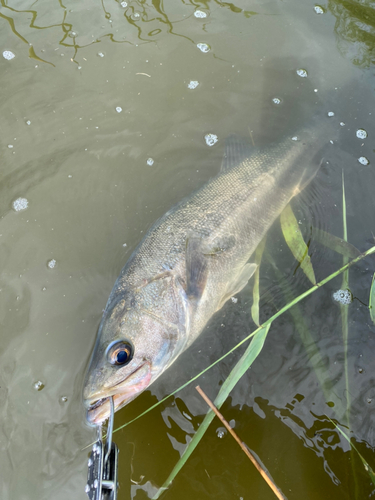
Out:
{"x": 98, "y": 409}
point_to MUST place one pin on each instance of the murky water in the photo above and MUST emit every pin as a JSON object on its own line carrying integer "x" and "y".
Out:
{"x": 104, "y": 112}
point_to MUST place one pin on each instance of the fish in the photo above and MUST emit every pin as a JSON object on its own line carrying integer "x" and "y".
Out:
{"x": 190, "y": 262}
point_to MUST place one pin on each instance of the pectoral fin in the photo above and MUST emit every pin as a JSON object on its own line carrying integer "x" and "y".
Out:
{"x": 238, "y": 282}
{"x": 196, "y": 268}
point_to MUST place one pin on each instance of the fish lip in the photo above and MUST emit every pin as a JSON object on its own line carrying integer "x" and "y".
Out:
{"x": 98, "y": 408}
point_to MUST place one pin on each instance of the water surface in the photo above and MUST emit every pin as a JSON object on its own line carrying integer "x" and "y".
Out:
{"x": 94, "y": 91}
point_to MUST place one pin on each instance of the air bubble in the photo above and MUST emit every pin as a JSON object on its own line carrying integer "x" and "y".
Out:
{"x": 234, "y": 300}
{"x": 203, "y": 47}
{"x": 8, "y": 55}
{"x": 118, "y": 109}
{"x": 38, "y": 385}
{"x": 276, "y": 100}
{"x": 361, "y": 133}
{"x": 331, "y": 113}
{"x": 210, "y": 139}
{"x": 342, "y": 124}
{"x": 302, "y": 73}
{"x": 124, "y": 4}
{"x": 193, "y": 84}
{"x": 136, "y": 16}
{"x": 345, "y": 297}
{"x": 28, "y": 122}
{"x": 51, "y": 263}
{"x": 100, "y": 54}
{"x": 200, "y": 14}
{"x": 150, "y": 162}
{"x": 363, "y": 160}
{"x": 20, "y": 204}
{"x": 87, "y": 488}
{"x": 295, "y": 138}
{"x": 221, "y": 432}
{"x": 10, "y": 146}
{"x": 63, "y": 399}
{"x": 318, "y": 9}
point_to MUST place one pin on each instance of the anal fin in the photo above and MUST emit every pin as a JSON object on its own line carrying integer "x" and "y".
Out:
{"x": 238, "y": 282}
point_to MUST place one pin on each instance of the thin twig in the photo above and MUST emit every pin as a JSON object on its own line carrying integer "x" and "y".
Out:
{"x": 244, "y": 448}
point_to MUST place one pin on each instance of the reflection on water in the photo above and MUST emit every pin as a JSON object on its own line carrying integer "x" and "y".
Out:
{"x": 355, "y": 27}
{"x": 96, "y": 178}
{"x": 145, "y": 22}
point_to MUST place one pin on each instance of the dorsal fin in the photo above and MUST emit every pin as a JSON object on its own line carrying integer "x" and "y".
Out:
{"x": 237, "y": 149}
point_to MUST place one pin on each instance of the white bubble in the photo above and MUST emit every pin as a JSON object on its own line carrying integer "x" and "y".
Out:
{"x": 276, "y": 100}
{"x": 38, "y": 385}
{"x": 343, "y": 296}
{"x": 200, "y": 14}
{"x": 221, "y": 432}
{"x": 318, "y": 9}
{"x": 210, "y": 139}
{"x": 20, "y": 204}
{"x": 363, "y": 160}
{"x": 203, "y": 47}
{"x": 124, "y": 4}
{"x": 51, "y": 263}
{"x": 331, "y": 113}
{"x": 361, "y": 133}
{"x": 10, "y": 146}
{"x": 315, "y": 90}
{"x": 118, "y": 109}
{"x": 87, "y": 488}
{"x": 28, "y": 122}
{"x": 100, "y": 54}
{"x": 64, "y": 399}
{"x": 150, "y": 162}
{"x": 234, "y": 300}
{"x": 193, "y": 84}
{"x": 295, "y": 138}
{"x": 342, "y": 124}
{"x": 302, "y": 73}
{"x": 8, "y": 55}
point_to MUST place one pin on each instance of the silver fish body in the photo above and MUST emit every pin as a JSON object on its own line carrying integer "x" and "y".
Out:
{"x": 190, "y": 263}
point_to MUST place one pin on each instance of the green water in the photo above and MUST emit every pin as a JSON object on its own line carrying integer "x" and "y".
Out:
{"x": 91, "y": 196}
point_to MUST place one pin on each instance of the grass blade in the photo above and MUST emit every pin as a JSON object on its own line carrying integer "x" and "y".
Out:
{"x": 240, "y": 368}
{"x": 334, "y": 243}
{"x": 295, "y": 241}
{"x": 371, "y": 302}
{"x": 258, "y": 259}
{"x": 368, "y": 469}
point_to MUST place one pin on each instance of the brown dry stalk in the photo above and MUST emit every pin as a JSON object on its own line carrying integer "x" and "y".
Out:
{"x": 256, "y": 464}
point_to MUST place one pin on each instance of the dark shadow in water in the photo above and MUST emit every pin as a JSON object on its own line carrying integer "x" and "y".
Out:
{"x": 355, "y": 28}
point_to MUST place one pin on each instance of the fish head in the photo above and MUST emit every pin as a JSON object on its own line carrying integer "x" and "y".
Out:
{"x": 140, "y": 335}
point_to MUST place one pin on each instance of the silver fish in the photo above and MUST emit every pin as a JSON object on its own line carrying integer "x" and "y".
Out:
{"x": 190, "y": 263}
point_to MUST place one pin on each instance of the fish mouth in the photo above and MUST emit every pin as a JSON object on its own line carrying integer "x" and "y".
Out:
{"x": 98, "y": 407}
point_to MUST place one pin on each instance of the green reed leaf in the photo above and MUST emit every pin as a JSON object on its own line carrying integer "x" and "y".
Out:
{"x": 295, "y": 241}
{"x": 371, "y": 301}
{"x": 247, "y": 359}
{"x": 367, "y": 467}
{"x": 334, "y": 243}
{"x": 258, "y": 258}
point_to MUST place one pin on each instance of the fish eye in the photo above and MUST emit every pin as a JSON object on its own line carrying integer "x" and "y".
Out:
{"x": 120, "y": 353}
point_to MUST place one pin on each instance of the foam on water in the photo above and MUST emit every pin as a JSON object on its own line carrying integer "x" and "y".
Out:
{"x": 8, "y": 55}
{"x": 20, "y": 204}
{"x": 211, "y": 139}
